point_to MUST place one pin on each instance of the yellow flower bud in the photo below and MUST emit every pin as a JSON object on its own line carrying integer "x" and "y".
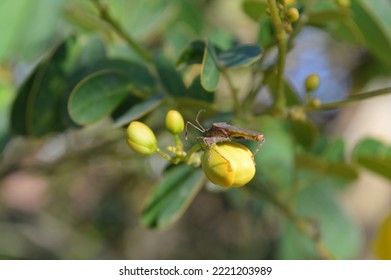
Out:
{"x": 174, "y": 122}
{"x": 141, "y": 138}
{"x": 315, "y": 103}
{"x": 343, "y": 3}
{"x": 312, "y": 82}
{"x": 382, "y": 244}
{"x": 292, "y": 15}
{"x": 228, "y": 164}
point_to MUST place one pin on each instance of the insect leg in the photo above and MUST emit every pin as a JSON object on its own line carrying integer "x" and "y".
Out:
{"x": 201, "y": 129}
{"x": 209, "y": 141}
{"x": 261, "y": 139}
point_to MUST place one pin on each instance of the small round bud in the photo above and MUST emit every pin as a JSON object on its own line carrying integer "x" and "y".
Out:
{"x": 228, "y": 164}
{"x": 288, "y": 28}
{"x": 174, "y": 122}
{"x": 343, "y": 3}
{"x": 312, "y": 82}
{"x": 292, "y": 14}
{"x": 315, "y": 103}
{"x": 297, "y": 114}
{"x": 141, "y": 138}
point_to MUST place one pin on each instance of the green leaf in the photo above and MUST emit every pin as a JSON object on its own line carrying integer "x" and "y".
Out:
{"x": 210, "y": 73}
{"x": 27, "y": 28}
{"x": 337, "y": 230}
{"x": 275, "y": 161}
{"x": 334, "y": 150}
{"x": 98, "y": 95}
{"x": 237, "y": 56}
{"x": 38, "y": 108}
{"x": 305, "y": 132}
{"x": 326, "y": 164}
{"x": 326, "y": 16}
{"x": 255, "y": 9}
{"x": 266, "y": 36}
{"x": 196, "y": 91}
{"x": 172, "y": 196}
{"x": 169, "y": 77}
{"x": 323, "y": 170}
{"x": 292, "y": 97}
{"x": 371, "y": 147}
{"x": 374, "y": 22}
{"x": 6, "y": 96}
{"x": 240, "y": 55}
{"x": 137, "y": 73}
{"x": 192, "y": 54}
{"x": 19, "y": 107}
{"x": 373, "y": 155}
{"x": 139, "y": 110}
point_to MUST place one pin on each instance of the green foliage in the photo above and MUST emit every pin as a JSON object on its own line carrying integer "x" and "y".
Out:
{"x": 133, "y": 70}
{"x": 172, "y": 196}
{"x": 373, "y": 155}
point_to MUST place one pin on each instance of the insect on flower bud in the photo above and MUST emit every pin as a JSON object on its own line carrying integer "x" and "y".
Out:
{"x": 228, "y": 164}
{"x": 174, "y": 122}
{"x": 141, "y": 138}
{"x": 312, "y": 82}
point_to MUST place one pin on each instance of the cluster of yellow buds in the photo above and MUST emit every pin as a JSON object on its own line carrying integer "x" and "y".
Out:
{"x": 226, "y": 164}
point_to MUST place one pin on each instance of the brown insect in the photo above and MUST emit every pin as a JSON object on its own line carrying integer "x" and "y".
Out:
{"x": 222, "y": 132}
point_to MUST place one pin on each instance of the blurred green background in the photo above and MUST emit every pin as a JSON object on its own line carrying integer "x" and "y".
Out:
{"x": 79, "y": 193}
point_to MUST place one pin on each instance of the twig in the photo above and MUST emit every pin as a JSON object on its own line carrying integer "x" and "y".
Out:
{"x": 305, "y": 226}
{"x": 280, "y": 101}
{"x": 106, "y": 16}
{"x": 350, "y": 99}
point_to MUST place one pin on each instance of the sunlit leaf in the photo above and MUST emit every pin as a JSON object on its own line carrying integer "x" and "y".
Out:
{"x": 373, "y": 155}
{"x": 27, "y": 28}
{"x": 255, "y": 9}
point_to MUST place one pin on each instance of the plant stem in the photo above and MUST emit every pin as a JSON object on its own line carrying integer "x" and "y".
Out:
{"x": 234, "y": 90}
{"x": 350, "y": 99}
{"x": 164, "y": 155}
{"x": 280, "y": 101}
{"x": 105, "y": 15}
{"x": 305, "y": 226}
{"x": 256, "y": 83}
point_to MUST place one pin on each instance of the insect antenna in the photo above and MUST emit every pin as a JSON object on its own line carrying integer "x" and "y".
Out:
{"x": 198, "y": 114}
{"x": 199, "y": 127}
